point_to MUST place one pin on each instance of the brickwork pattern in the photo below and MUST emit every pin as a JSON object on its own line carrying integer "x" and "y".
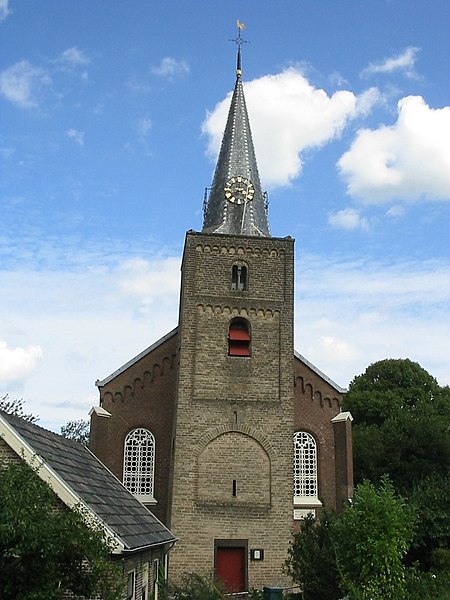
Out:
{"x": 144, "y": 396}
{"x": 316, "y": 403}
{"x": 216, "y": 391}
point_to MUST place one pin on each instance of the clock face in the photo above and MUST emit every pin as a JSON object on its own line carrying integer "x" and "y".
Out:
{"x": 239, "y": 190}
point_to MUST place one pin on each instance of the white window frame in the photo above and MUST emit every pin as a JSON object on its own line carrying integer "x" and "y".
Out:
{"x": 306, "y": 484}
{"x": 156, "y": 564}
{"x": 139, "y": 464}
{"x": 131, "y": 575}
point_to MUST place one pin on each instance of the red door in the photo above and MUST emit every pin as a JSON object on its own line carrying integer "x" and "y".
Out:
{"x": 230, "y": 567}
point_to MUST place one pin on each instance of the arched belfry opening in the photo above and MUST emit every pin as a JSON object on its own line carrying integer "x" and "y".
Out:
{"x": 239, "y": 337}
{"x": 239, "y": 278}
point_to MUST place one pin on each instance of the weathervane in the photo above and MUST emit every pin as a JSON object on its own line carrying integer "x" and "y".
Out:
{"x": 239, "y": 40}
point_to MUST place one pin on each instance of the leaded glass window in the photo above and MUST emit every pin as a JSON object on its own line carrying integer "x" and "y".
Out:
{"x": 139, "y": 463}
{"x": 305, "y": 465}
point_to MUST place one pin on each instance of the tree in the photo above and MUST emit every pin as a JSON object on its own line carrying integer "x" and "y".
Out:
{"x": 401, "y": 428}
{"x": 311, "y": 558}
{"x": 16, "y": 407}
{"x": 401, "y": 424}
{"x": 371, "y": 538}
{"x": 358, "y": 552}
{"x": 432, "y": 533}
{"x": 47, "y": 549}
{"x": 76, "y": 430}
{"x": 387, "y": 388}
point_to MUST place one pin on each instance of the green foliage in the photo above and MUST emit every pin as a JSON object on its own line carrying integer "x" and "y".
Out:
{"x": 77, "y": 431}
{"x": 427, "y": 586}
{"x": 401, "y": 428}
{"x": 198, "y": 587}
{"x": 45, "y": 548}
{"x": 431, "y": 499}
{"x": 16, "y": 407}
{"x": 358, "y": 552}
{"x": 387, "y": 388}
{"x": 371, "y": 537}
{"x": 311, "y": 561}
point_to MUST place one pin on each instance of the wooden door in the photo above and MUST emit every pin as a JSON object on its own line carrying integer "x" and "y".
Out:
{"x": 230, "y": 567}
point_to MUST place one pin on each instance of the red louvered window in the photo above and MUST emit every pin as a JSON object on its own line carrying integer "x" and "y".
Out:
{"x": 239, "y": 338}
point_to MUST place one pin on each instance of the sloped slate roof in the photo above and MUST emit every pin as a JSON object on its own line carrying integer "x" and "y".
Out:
{"x": 134, "y": 525}
{"x": 236, "y": 161}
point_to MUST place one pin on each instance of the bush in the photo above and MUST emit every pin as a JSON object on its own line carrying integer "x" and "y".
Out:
{"x": 311, "y": 561}
{"x": 197, "y": 587}
{"x": 371, "y": 539}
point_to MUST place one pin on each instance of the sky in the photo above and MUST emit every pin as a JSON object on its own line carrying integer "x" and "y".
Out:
{"x": 111, "y": 115}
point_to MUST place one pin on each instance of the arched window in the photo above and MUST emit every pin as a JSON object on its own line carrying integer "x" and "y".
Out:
{"x": 239, "y": 278}
{"x": 139, "y": 464}
{"x": 305, "y": 467}
{"x": 239, "y": 338}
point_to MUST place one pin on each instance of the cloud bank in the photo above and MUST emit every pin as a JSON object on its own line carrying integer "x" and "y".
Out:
{"x": 62, "y": 330}
{"x": 408, "y": 161}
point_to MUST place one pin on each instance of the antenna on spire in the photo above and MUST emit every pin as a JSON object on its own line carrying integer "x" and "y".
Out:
{"x": 239, "y": 40}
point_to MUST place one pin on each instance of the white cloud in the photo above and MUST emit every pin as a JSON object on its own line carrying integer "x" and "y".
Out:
{"x": 407, "y": 161}
{"x": 352, "y": 313}
{"x": 294, "y": 117}
{"x": 74, "y": 57}
{"x": 349, "y": 219}
{"x": 4, "y": 10}
{"x": 76, "y": 136}
{"x": 17, "y": 363}
{"x": 171, "y": 68}
{"x": 21, "y": 83}
{"x": 405, "y": 62}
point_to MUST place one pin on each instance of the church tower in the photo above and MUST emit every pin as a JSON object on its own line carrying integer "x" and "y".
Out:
{"x": 220, "y": 428}
{"x": 233, "y": 462}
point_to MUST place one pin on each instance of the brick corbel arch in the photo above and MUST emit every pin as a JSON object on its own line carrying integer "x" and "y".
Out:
{"x": 212, "y": 434}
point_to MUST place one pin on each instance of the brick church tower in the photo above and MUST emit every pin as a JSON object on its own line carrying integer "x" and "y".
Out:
{"x": 227, "y": 434}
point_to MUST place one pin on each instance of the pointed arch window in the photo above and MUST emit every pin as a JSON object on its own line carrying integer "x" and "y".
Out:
{"x": 239, "y": 338}
{"x": 239, "y": 278}
{"x": 139, "y": 464}
{"x": 305, "y": 468}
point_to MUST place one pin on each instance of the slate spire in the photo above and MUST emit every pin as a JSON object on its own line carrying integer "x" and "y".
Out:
{"x": 236, "y": 203}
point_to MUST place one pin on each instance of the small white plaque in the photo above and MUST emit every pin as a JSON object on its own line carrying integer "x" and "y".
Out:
{"x": 301, "y": 513}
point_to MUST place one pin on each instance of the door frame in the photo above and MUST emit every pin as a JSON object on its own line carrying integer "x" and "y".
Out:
{"x": 231, "y": 543}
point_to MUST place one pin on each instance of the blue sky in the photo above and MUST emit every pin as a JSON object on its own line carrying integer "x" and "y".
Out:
{"x": 111, "y": 115}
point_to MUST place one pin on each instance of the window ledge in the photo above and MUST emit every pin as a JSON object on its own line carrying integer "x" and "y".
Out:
{"x": 306, "y": 501}
{"x": 145, "y": 499}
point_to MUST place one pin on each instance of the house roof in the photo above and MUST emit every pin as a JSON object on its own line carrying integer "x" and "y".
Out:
{"x": 79, "y": 478}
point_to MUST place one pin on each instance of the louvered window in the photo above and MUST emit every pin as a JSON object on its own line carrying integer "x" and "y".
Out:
{"x": 305, "y": 467}
{"x": 139, "y": 464}
{"x": 239, "y": 338}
